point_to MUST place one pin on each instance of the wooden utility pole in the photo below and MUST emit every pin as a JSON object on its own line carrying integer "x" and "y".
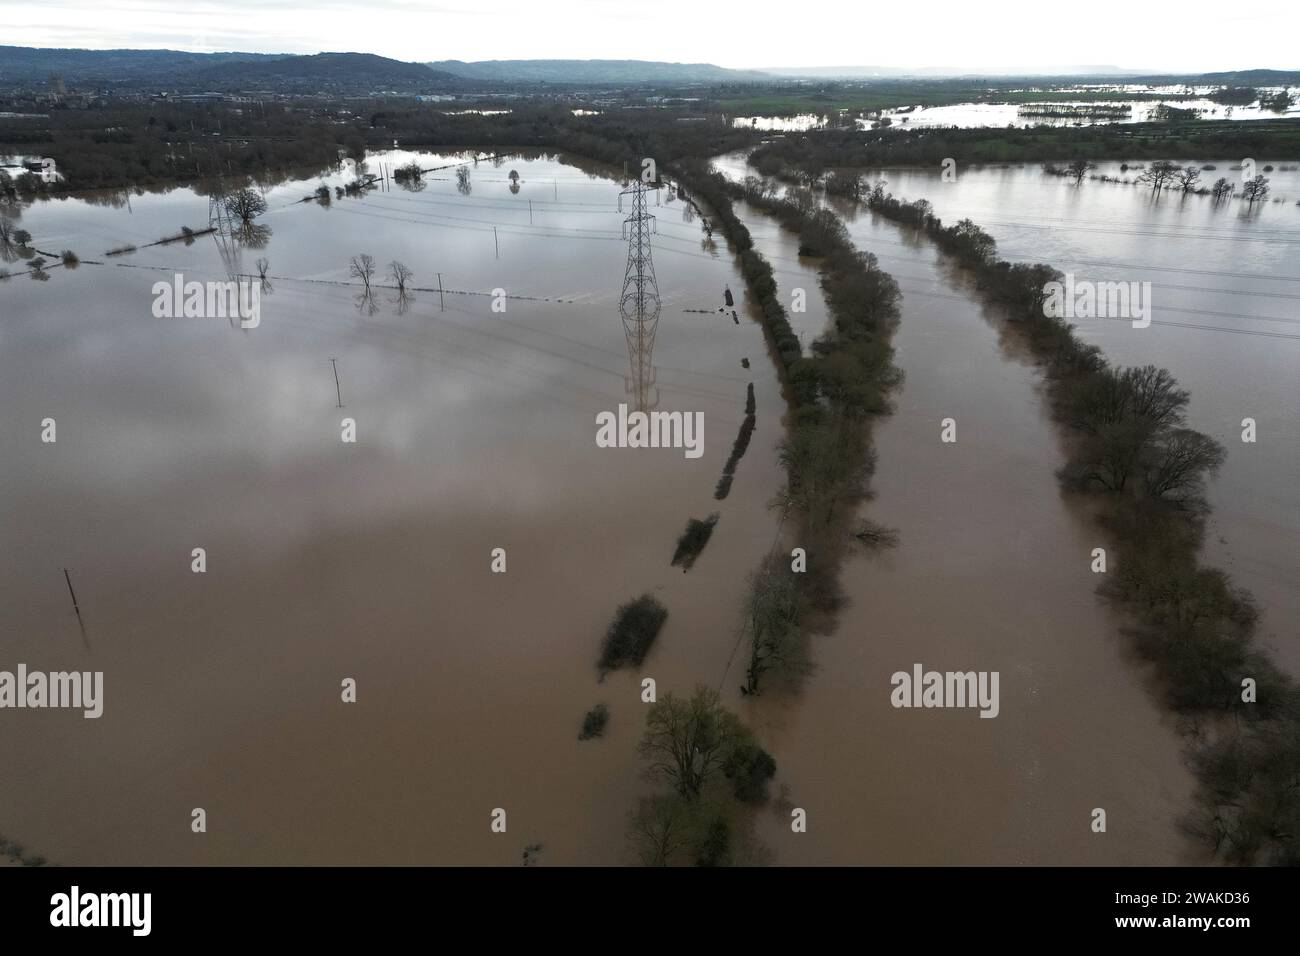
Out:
{"x": 338, "y": 389}
{"x": 73, "y": 594}
{"x": 441, "y": 305}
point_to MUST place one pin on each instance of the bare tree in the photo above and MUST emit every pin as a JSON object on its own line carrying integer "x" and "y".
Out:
{"x": 851, "y": 185}
{"x": 462, "y": 180}
{"x": 363, "y": 268}
{"x": 1180, "y": 463}
{"x": 1255, "y": 190}
{"x": 660, "y": 829}
{"x": 400, "y": 275}
{"x": 810, "y": 174}
{"x": 1189, "y": 177}
{"x": 1160, "y": 174}
{"x": 824, "y": 470}
{"x": 246, "y": 204}
{"x": 1078, "y": 169}
{"x": 772, "y": 622}
{"x": 686, "y": 741}
{"x": 1221, "y": 188}
{"x": 22, "y": 237}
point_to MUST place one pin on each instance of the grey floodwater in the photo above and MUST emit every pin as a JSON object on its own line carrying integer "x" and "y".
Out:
{"x": 1047, "y": 110}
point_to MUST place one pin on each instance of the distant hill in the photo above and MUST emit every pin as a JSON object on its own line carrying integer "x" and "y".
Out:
{"x": 326, "y": 73}
{"x": 358, "y": 73}
{"x": 33, "y": 65}
{"x": 594, "y": 71}
{"x": 1253, "y": 78}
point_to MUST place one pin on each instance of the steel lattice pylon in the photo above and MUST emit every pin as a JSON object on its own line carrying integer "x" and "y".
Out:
{"x": 639, "y": 302}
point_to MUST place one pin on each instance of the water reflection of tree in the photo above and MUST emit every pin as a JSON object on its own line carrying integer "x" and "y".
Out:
{"x": 112, "y": 198}
{"x": 402, "y": 301}
{"x": 252, "y": 235}
{"x": 463, "y": 185}
{"x": 365, "y": 302}
{"x": 401, "y": 276}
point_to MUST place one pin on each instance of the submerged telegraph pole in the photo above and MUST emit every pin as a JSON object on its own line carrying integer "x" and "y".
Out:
{"x": 76, "y": 607}
{"x": 639, "y": 302}
{"x": 338, "y": 389}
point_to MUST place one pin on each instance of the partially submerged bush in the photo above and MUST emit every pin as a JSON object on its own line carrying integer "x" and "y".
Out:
{"x": 738, "y": 448}
{"x": 693, "y": 540}
{"x": 749, "y": 767}
{"x": 410, "y": 173}
{"x": 635, "y": 627}
{"x": 593, "y": 724}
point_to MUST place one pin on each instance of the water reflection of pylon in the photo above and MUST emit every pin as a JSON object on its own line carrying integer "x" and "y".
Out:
{"x": 222, "y": 224}
{"x": 639, "y": 302}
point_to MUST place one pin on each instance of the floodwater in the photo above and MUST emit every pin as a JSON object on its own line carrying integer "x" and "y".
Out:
{"x": 1019, "y": 115}
{"x": 991, "y": 574}
{"x": 475, "y": 430}
{"x": 1225, "y": 281}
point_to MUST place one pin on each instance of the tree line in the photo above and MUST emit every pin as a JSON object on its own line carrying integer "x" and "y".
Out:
{"x": 800, "y": 155}
{"x": 1134, "y": 449}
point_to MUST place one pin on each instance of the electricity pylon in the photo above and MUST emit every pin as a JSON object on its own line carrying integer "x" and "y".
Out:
{"x": 639, "y": 302}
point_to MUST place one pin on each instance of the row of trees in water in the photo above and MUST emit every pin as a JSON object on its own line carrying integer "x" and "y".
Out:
{"x": 1134, "y": 448}
{"x": 1164, "y": 174}
{"x": 835, "y": 391}
{"x": 811, "y": 154}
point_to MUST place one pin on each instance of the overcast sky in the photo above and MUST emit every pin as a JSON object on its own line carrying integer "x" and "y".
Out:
{"x": 1194, "y": 35}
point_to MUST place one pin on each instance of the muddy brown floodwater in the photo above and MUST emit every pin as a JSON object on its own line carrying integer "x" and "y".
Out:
{"x": 475, "y": 430}
{"x": 1225, "y": 278}
{"x": 991, "y": 574}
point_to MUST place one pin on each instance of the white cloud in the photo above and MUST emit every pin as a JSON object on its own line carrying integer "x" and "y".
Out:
{"x": 1199, "y": 35}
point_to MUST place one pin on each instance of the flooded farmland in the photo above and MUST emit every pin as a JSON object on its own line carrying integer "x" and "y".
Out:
{"x": 370, "y": 560}
{"x": 1003, "y": 587}
{"x": 1225, "y": 279}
